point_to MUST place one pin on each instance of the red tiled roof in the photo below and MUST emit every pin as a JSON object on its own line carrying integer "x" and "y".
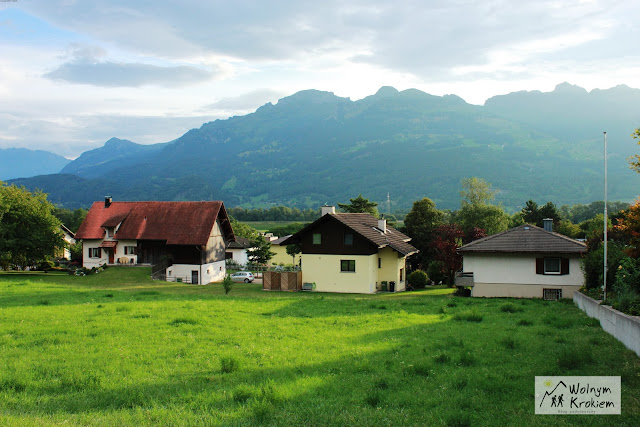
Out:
{"x": 177, "y": 223}
{"x": 108, "y": 244}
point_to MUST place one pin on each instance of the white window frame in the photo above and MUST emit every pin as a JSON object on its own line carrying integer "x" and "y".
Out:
{"x": 92, "y": 252}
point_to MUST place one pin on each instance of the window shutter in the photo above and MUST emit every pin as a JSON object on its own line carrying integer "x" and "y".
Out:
{"x": 564, "y": 269}
{"x": 99, "y": 252}
{"x": 539, "y": 265}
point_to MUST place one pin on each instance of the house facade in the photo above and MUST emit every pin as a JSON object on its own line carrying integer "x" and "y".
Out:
{"x": 352, "y": 253}
{"x": 69, "y": 239}
{"x": 524, "y": 262}
{"x": 237, "y": 251}
{"x": 190, "y": 238}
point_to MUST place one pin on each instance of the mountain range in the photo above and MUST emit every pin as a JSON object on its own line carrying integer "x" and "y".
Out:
{"x": 314, "y": 147}
{"x": 21, "y": 162}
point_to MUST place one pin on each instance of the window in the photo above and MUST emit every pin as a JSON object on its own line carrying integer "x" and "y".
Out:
{"x": 552, "y": 266}
{"x": 94, "y": 252}
{"x": 317, "y": 238}
{"x": 348, "y": 265}
{"x": 552, "y": 294}
{"x": 402, "y": 274}
{"x": 129, "y": 250}
{"x": 109, "y": 231}
{"x": 379, "y": 262}
{"x": 348, "y": 239}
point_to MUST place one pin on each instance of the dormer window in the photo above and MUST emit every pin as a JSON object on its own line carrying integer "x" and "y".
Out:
{"x": 109, "y": 231}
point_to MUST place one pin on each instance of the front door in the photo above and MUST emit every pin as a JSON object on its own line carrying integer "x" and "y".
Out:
{"x": 194, "y": 277}
{"x": 111, "y": 252}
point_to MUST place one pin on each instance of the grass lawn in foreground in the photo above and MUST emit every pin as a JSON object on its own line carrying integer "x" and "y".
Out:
{"x": 118, "y": 349}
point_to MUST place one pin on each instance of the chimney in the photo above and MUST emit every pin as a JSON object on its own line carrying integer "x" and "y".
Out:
{"x": 382, "y": 224}
{"x": 548, "y": 224}
{"x": 107, "y": 201}
{"x": 328, "y": 210}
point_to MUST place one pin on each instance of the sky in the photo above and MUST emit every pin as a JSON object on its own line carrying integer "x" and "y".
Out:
{"x": 75, "y": 73}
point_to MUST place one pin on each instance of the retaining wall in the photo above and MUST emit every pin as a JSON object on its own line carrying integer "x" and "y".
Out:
{"x": 623, "y": 327}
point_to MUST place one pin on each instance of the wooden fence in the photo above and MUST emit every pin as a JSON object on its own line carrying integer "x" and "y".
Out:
{"x": 282, "y": 280}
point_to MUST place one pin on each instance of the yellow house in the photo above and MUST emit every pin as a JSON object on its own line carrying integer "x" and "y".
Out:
{"x": 281, "y": 256}
{"x": 352, "y": 253}
{"x": 524, "y": 262}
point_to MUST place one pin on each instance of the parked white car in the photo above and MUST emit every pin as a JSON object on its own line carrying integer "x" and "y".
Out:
{"x": 242, "y": 276}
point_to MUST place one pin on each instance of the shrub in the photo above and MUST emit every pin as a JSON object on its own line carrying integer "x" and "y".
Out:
{"x": 229, "y": 364}
{"x": 45, "y": 265}
{"x": 510, "y": 308}
{"x": 468, "y": 316}
{"x": 418, "y": 279}
{"x": 227, "y": 284}
{"x": 435, "y": 272}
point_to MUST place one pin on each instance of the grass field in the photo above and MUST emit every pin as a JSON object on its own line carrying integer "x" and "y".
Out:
{"x": 268, "y": 225}
{"x": 118, "y": 349}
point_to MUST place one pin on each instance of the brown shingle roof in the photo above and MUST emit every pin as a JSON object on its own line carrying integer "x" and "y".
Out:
{"x": 365, "y": 225}
{"x": 177, "y": 223}
{"x": 525, "y": 239}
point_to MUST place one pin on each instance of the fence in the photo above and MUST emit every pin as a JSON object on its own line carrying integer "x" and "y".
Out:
{"x": 282, "y": 280}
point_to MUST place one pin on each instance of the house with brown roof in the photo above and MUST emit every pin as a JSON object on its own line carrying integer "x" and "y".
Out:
{"x": 352, "y": 253}
{"x": 524, "y": 262}
{"x": 190, "y": 237}
{"x": 237, "y": 251}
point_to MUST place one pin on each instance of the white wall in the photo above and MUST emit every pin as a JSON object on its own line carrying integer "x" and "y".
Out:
{"x": 207, "y": 273}
{"x": 120, "y": 251}
{"x": 93, "y": 262}
{"x": 239, "y": 256}
{"x": 514, "y": 275}
{"x": 390, "y": 265}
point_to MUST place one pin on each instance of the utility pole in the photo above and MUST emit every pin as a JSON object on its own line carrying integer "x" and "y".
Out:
{"x": 606, "y": 222}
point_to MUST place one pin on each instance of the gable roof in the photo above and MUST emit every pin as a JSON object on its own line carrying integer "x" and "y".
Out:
{"x": 177, "y": 223}
{"x": 365, "y": 225}
{"x": 240, "y": 243}
{"x": 525, "y": 239}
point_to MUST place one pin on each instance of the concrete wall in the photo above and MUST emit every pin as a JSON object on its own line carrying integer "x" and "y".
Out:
{"x": 324, "y": 270}
{"x": 623, "y": 327}
{"x": 514, "y": 275}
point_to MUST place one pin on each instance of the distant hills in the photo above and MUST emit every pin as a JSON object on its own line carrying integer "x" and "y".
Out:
{"x": 21, "y": 162}
{"x": 314, "y": 147}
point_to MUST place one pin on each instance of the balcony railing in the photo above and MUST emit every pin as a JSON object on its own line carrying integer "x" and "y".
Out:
{"x": 464, "y": 279}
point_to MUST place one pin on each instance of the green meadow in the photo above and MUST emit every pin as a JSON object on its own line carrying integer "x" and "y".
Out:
{"x": 119, "y": 349}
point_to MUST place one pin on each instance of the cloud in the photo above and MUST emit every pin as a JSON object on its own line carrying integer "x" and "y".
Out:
{"x": 247, "y": 101}
{"x": 424, "y": 38}
{"x": 85, "y": 67}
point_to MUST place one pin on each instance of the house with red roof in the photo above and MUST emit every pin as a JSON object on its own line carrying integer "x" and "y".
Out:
{"x": 352, "y": 253}
{"x": 189, "y": 237}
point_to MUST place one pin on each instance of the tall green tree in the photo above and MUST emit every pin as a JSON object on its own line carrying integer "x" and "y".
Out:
{"x": 420, "y": 224}
{"x": 475, "y": 210}
{"x": 29, "y": 232}
{"x": 360, "y": 205}
{"x": 535, "y": 215}
{"x": 260, "y": 251}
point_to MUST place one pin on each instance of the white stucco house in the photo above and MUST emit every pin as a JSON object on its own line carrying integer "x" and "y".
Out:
{"x": 190, "y": 238}
{"x": 352, "y": 253}
{"x": 237, "y": 251}
{"x": 524, "y": 262}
